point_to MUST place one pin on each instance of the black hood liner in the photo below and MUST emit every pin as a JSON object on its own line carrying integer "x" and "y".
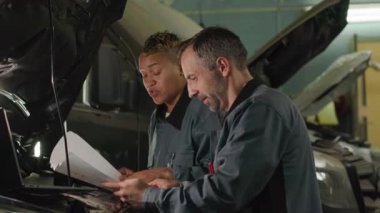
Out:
{"x": 285, "y": 54}
{"x": 25, "y": 55}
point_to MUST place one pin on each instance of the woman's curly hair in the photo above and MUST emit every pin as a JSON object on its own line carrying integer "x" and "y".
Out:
{"x": 161, "y": 42}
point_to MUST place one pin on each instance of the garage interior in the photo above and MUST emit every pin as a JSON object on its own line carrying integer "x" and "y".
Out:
{"x": 112, "y": 110}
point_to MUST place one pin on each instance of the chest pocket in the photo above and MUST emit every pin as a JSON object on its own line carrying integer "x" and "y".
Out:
{"x": 182, "y": 166}
{"x": 184, "y": 159}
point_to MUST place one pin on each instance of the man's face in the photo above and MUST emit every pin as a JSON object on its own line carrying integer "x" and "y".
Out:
{"x": 161, "y": 77}
{"x": 207, "y": 85}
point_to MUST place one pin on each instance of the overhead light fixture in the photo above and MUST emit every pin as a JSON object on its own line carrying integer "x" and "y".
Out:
{"x": 363, "y": 13}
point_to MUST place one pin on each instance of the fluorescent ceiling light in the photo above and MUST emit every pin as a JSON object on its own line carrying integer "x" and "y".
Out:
{"x": 363, "y": 13}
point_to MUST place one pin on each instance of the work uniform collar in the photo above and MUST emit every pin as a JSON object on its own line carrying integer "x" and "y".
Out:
{"x": 176, "y": 116}
{"x": 247, "y": 91}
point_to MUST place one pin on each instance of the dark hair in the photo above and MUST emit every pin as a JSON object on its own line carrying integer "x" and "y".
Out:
{"x": 213, "y": 42}
{"x": 161, "y": 42}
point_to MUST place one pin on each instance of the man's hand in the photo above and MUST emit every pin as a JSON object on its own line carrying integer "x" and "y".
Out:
{"x": 155, "y": 173}
{"x": 125, "y": 173}
{"x": 130, "y": 191}
{"x": 164, "y": 183}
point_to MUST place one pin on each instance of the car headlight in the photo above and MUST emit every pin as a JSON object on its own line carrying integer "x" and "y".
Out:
{"x": 334, "y": 184}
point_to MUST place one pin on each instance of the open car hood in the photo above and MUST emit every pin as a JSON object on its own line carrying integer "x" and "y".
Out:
{"x": 129, "y": 35}
{"x": 335, "y": 81}
{"x": 25, "y": 73}
{"x": 297, "y": 44}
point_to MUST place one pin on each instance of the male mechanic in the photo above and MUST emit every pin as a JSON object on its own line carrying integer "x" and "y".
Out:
{"x": 180, "y": 128}
{"x": 263, "y": 160}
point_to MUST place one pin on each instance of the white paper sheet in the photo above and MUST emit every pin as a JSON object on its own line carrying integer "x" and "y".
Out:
{"x": 86, "y": 164}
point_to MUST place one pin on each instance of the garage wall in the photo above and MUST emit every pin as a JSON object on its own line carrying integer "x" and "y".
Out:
{"x": 369, "y": 97}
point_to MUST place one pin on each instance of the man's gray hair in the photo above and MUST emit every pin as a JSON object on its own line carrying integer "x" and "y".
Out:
{"x": 214, "y": 42}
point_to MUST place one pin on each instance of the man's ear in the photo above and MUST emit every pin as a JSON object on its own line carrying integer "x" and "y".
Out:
{"x": 180, "y": 70}
{"x": 223, "y": 66}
